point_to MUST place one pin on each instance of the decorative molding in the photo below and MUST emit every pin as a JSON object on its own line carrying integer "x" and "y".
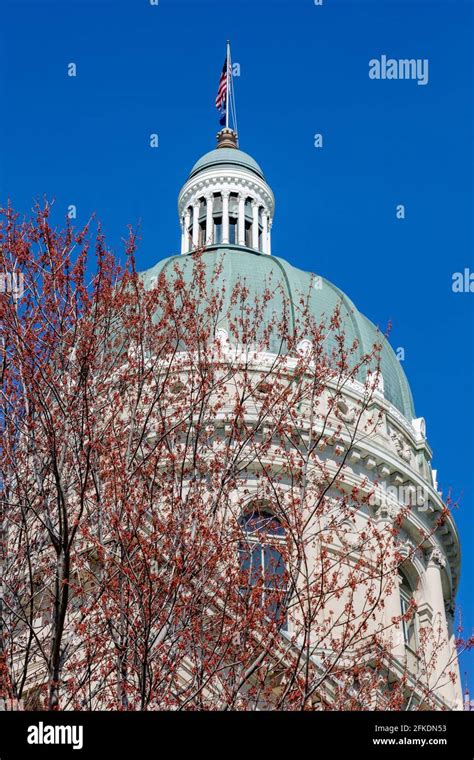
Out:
{"x": 436, "y": 556}
{"x": 425, "y": 613}
{"x": 419, "y": 426}
{"x": 397, "y": 479}
{"x": 344, "y": 413}
{"x": 348, "y": 534}
{"x": 355, "y": 456}
{"x": 402, "y": 447}
{"x": 222, "y": 336}
{"x": 370, "y": 462}
{"x": 408, "y": 549}
{"x": 386, "y": 511}
{"x": 377, "y": 379}
{"x": 304, "y": 347}
{"x": 398, "y": 416}
{"x": 236, "y": 182}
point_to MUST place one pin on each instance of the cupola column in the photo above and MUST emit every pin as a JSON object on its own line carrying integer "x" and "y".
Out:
{"x": 187, "y": 222}
{"x": 225, "y": 184}
{"x": 241, "y": 221}
{"x": 225, "y": 216}
{"x": 209, "y": 219}
{"x": 183, "y": 235}
{"x": 265, "y": 232}
{"x": 195, "y": 224}
{"x": 269, "y": 241}
{"x": 255, "y": 207}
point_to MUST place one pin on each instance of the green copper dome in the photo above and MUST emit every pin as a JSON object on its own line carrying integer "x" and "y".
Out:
{"x": 226, "y": 157}
{"x": 260, "y": 271}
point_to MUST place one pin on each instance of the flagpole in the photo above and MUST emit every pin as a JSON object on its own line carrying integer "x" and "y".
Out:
{"x": 228, "y": 86}
{"x": 232, "y": 105}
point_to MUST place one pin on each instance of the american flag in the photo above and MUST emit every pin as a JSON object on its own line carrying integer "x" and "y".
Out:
{"x": 222, "y": 89}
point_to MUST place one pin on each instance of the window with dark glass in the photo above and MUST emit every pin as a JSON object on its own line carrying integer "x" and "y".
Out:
{"x": 190, "y": 225}
{"x": 248, "y": 234}
{"x": 202, "y": 234}
{"x": 409, "y": 622}
{"x": 218, "y": 229}
{"x": 232, "y": 230}
{"x": 262, "y": 564}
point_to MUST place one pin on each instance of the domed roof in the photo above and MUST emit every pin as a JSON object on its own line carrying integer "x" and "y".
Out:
{"x": 261, "y": 271}
{"x": 226, "y": 157}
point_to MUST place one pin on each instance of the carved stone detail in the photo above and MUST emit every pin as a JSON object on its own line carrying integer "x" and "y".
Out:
{"x": 402, "y": 447}
{"x": 232, "y": 183}
{"x": 345, "y": 414}
{"x": 387, "y": 511}
{"x": 437, "y": 556}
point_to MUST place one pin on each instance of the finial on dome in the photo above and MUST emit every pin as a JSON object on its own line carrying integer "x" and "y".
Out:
{"x": 227, "y": 138}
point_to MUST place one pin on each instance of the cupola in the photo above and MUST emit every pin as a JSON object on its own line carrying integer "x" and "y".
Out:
{"x": 226, "y": 201}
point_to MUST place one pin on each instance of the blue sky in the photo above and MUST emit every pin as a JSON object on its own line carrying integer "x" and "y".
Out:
{"x": 145, "y": 69}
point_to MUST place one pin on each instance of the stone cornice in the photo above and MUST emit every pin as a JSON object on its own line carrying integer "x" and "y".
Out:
{"x": 233, "y": 180}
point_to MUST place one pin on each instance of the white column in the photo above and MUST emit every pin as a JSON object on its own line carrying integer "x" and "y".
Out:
{"x": 209, "y": 219}
{"x": 225, "y": 216}
{"x": 393, "y": 632}
{"x": 255, "y": 207}
{"x": 265, "y": 232}
{"x": 269, "y": 241}
{"x": 439, "y": 626}
{"x": 183, "y": 235}
{"x": 433, "y": 579}
{"x": 195, "y": 223}
{"x": 457, "y": 686}
{"x": 187, "y": 221}
{"x": 393, "y": 609}
{"x": 241, "y": 222}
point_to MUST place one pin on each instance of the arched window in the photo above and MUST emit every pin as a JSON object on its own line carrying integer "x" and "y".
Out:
{"x": 408, "y": 625}
{"x": 262, "y": 563}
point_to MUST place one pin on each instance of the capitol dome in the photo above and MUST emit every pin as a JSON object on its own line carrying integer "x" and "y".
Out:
{"x": 260, "y": 271}
{"x": 226, "y": 210}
